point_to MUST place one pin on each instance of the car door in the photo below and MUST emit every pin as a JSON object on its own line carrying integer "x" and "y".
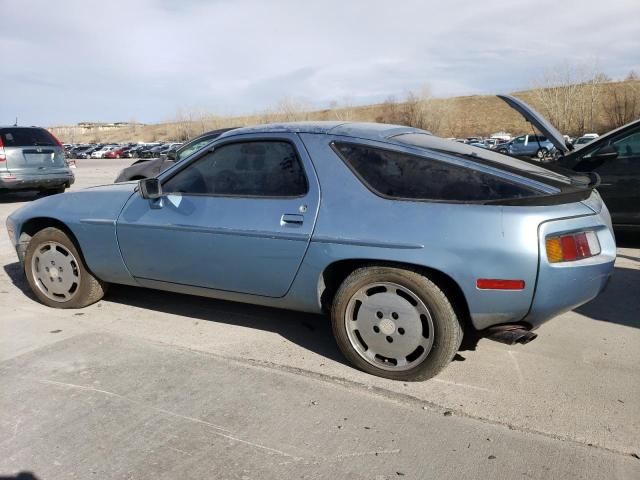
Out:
{"x": 237, "y": 217}
{"x": 618, "y": 163}
{"x": 517, "y": 145}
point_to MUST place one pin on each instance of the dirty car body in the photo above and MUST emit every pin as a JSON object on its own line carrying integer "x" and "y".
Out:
{"x": 343, "y": 200}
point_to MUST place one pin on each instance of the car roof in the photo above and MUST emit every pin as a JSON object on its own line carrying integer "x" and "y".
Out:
{"x": 372, "y": 131}
{"x": 21, "y": 126}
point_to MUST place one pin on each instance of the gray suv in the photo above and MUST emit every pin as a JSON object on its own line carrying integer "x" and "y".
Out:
{"x": 528, "y": 146}
{"x": 32, "y": 159}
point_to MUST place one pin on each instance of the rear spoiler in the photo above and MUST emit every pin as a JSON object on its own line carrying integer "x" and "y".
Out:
{"x": 580, "y": 189}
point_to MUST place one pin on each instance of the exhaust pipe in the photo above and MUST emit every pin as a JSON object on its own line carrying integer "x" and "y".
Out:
{"x": 509, "y": 334}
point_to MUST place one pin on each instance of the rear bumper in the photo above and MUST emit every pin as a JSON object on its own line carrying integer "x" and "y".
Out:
{"x": 35, "y": 182}
{"x": 561, "y": 287}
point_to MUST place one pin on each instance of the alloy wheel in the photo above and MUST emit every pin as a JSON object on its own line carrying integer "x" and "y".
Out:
{"x": 55, "y": 271}
{"x": 389, "y": 326}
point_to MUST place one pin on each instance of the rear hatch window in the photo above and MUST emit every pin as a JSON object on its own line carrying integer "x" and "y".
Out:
{"x": 569, "y": 186}
{"x": 26, "y": 137}
{"x": 399, "y": 175}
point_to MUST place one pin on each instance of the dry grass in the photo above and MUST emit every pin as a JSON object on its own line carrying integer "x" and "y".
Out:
{"x": 451, "y": 117}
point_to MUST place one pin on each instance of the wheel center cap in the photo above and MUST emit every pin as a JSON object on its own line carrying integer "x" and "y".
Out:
{"x": 54, "y": 273}
{"x": 387, "y": 326}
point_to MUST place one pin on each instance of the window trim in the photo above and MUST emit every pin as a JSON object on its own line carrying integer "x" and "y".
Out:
{"x": 500, "y": 201}
{"x": 198, "y": 155}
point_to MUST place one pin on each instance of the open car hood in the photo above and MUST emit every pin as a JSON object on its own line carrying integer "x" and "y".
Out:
{"x": 537, "y": 120}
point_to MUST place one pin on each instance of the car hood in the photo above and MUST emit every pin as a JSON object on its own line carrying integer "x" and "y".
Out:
{"x": 94, "y": 204}
{"x": 537, "y": 120}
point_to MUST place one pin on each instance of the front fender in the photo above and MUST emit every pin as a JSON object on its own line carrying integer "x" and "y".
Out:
{"x": 90, "y": 215}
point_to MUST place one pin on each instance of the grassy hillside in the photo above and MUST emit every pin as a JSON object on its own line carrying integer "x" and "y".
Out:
{"x": 608, "y": 105}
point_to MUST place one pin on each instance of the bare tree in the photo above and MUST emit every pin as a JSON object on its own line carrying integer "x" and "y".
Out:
{"x": 418, "y": 110}
{"x": 622, "y": 104}
{"x": 293, "y": 109}
{"x": 389, "y": 111}
{"x": 343, "y": 111}
{"x": 568, "y": 96}
{"x": 632, "y": 76}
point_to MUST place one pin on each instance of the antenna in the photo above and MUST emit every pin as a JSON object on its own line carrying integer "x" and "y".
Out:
{"x": 16, "y": 124}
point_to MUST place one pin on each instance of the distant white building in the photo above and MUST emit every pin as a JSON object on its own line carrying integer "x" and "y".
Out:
{"x": 501, "y": 136}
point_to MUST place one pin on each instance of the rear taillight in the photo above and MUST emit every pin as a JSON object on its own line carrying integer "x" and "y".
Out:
{"x": 573, "y": 246}
{"x": 3, "y": 157}
{"x": 56, "y": 140}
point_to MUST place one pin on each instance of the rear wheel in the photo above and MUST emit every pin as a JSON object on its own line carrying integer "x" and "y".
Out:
{"x": 57, "y": 274}
{"x": 395, "y": 323}
{"x": 542, "y": 153}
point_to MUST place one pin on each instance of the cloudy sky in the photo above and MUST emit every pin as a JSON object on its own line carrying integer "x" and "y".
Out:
{"x": 119, "y": 60}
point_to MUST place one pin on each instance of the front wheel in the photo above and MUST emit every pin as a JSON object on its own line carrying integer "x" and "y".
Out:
{"x": 395, "y": 323}
{"x": 57, "y": 274}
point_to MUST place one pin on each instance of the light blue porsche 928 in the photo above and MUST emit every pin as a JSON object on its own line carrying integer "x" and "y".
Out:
{"x": 402, "y": 237}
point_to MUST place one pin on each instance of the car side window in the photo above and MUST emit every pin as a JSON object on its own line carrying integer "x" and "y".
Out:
{"x": 519, "y": 139}
{"x": 398, "y": 175}
{"x": 247, "y": 169}
{"x": 628, "y": 146}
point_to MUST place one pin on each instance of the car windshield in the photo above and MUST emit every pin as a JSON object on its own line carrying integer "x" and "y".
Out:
{"x": 431, "y": 142}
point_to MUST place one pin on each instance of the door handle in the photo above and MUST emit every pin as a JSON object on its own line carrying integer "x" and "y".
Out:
{"x": 291, "y": 219}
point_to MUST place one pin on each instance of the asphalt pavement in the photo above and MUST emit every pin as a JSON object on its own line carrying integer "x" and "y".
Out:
{"x": 148, "y": 384}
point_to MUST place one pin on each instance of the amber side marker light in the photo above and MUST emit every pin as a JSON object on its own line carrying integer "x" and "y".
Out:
{"x": 571, "y": 247}
{"x": 499, "y": 284}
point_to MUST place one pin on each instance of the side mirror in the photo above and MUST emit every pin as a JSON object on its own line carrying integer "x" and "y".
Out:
{"x": 608, "y": 152}
{"x": 171, "y": 155}
{"x": 150, "y": 188}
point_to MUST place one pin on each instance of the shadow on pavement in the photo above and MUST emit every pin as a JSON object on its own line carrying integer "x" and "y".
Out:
{"x": 16, "y": 274}
{"x": 310, "y": 331}
{"x": 620, "y": 302}
{"x": 627, "y": 239}
{"x": 20, "y": 476}
{"x": 17, "y": 197}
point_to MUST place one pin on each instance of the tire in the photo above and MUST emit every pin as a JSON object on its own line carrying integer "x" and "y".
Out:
{"x": 431, "y": 324}
{"x": 542, "y": 153}
{"x": 69, "y": 284}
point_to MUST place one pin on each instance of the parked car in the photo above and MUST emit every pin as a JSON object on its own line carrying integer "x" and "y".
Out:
{"x": 133, "y": 151}
{"x": 77, "y": 149}
{"x": 116, "y": 152}
{"x": 31, "y": 158}
{"x": 528, "y": 146}
{"x": 386, "y": 252}
{"x": 87, "y": 153}
{"x": 586, "y": 138}
{"x": 100, "y": 152}
{"x": 614, "y": 157}
{"x": 146, "y": 151}
{"x": 144, "y": 168}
